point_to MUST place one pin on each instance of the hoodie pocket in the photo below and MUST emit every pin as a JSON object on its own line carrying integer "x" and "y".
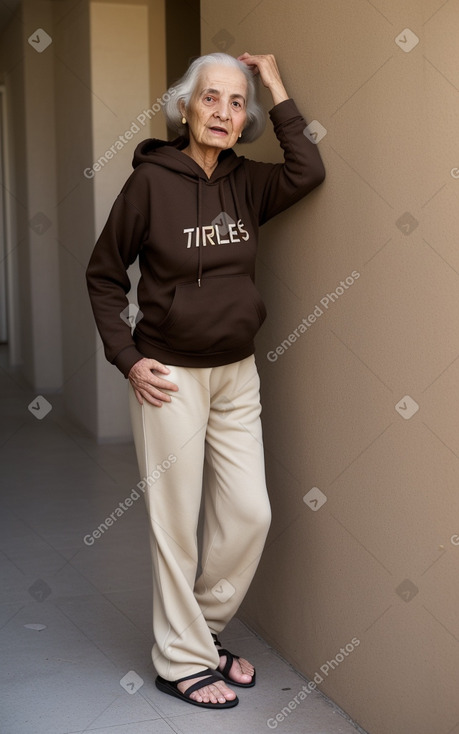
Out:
{"x": 223, "y": 314}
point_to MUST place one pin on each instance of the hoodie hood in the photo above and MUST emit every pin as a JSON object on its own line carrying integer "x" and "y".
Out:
{"x": 170, "y": 155}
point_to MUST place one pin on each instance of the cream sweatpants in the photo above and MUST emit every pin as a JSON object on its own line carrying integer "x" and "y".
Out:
{"x": 206, "y": 444}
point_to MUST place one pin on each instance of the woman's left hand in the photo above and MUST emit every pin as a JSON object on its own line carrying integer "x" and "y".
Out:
{"x": 266, "y": 66}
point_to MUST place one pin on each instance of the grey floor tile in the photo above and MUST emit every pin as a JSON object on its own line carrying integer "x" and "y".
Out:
{"x": 57, "y": 680}
{"x": 136, "y": 605}
{"x": 116, "y": 567}
{"x": 140, "y": 727}
{"x": 129, "y": 713}
{"x": 249, "y": 716}
{"x": 109, "y": 630}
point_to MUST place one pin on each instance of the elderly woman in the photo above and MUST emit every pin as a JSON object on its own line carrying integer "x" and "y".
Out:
{"x": 191, "y": 211}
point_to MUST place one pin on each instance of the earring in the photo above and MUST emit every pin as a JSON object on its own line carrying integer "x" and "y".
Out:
{"x": 183, "y": 120}
{"x": 240, "y": 135}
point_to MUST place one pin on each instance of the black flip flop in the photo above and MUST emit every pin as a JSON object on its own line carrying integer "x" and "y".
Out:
{"x": 211, "y": 676}
{"x": 230, "y": 658}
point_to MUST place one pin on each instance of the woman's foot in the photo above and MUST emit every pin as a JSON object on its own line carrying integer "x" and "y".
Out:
{"x": 241, "y": 670}
{"x": 214, "y": 693}
{"x": 236, "y": 670}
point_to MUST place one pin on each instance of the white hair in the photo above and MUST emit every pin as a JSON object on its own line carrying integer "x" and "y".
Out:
{"x": 186, "y": 86}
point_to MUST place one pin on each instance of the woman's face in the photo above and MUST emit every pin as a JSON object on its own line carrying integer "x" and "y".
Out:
{"x": 217, "y": 112}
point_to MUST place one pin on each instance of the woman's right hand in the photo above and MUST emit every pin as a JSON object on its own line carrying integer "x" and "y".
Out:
{"x": 266, "y": 66}
{"x": 147, "y": 384}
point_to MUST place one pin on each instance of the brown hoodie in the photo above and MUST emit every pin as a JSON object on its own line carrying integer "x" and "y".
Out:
{"x": 196, "y": 239}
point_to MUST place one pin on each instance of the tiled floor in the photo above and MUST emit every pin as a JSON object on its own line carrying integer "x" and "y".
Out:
{"x": 75, "y": 618}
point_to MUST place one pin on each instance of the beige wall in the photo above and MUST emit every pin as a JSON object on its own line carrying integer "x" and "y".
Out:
{"x": 29, "y": 86}
{"x": 110, "y": 74}
{"x": 339, "y": 571}
{"x": 76, "y": 205}
{"x": 120, "y": 86}
{"x": 45, "y": 322}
